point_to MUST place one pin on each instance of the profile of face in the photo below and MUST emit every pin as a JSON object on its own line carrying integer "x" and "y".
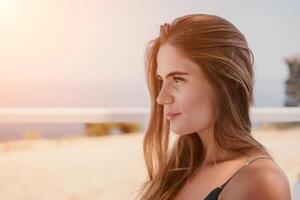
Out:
{"x": 185, "y": 93}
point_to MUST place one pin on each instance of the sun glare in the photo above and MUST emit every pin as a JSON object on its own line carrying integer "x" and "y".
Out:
{"x": 7, "y": 9}
{"x": 4, "y": 4}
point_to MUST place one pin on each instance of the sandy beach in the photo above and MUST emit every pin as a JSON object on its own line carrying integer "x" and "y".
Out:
{"x": 106, "y": 168}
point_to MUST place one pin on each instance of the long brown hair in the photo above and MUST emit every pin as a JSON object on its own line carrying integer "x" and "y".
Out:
{"x": 227, "y": 62}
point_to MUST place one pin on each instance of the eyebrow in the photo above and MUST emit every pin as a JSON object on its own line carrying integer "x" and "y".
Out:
{"x": 173, "y": 73}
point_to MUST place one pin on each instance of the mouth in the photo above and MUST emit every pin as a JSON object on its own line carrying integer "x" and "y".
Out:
{"x": 171, "y": 115}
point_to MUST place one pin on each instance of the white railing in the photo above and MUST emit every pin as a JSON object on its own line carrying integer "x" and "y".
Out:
{"x": 95, "y": 114}
{"x": 275, "y": 114}
{"x": 72, "y": 115}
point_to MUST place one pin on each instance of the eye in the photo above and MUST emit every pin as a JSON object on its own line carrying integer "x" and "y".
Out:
{"x": 178, "y": 80}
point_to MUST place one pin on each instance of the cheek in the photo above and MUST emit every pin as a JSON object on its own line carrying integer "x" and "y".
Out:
{"x": 197, "y": 99}
{"x": 197, "y": 111}
{"x": 199, "y": 108}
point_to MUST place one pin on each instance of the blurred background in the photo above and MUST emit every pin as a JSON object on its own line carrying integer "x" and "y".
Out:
{"x": 75, "y": 54}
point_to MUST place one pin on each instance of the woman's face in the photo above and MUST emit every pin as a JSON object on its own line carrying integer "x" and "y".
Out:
{"x": 185, "y": 92}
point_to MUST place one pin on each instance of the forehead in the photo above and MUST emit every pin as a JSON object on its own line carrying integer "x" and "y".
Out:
{"x": 170, "y": 59}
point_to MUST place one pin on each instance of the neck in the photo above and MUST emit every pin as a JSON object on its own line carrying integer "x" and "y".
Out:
{"x": 213, "y": 155}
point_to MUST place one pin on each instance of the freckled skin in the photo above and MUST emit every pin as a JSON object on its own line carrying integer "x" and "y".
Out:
{"x": 192, "y": 97}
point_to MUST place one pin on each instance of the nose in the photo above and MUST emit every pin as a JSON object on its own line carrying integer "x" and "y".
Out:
{"x": 164, "y": 96}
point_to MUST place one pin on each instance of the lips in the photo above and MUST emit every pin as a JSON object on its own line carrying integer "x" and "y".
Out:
{"x": 171, "y": 115}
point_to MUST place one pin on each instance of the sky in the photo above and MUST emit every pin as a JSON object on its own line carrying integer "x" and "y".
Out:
{"x": 86, "y": 53}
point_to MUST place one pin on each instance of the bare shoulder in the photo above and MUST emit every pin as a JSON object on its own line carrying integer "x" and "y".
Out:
{"x": 261, "y": 180}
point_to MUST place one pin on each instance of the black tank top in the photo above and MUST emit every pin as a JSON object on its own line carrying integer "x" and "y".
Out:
{"x": 214, "y": 194}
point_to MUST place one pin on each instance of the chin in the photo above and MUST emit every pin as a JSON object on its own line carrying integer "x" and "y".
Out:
{"x": 179, "y": 132}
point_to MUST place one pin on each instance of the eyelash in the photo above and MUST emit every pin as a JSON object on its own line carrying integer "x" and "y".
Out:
{"x": 175, "y": 79}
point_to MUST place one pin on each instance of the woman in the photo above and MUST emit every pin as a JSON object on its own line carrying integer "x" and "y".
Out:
{"x": 200, "y": 78}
